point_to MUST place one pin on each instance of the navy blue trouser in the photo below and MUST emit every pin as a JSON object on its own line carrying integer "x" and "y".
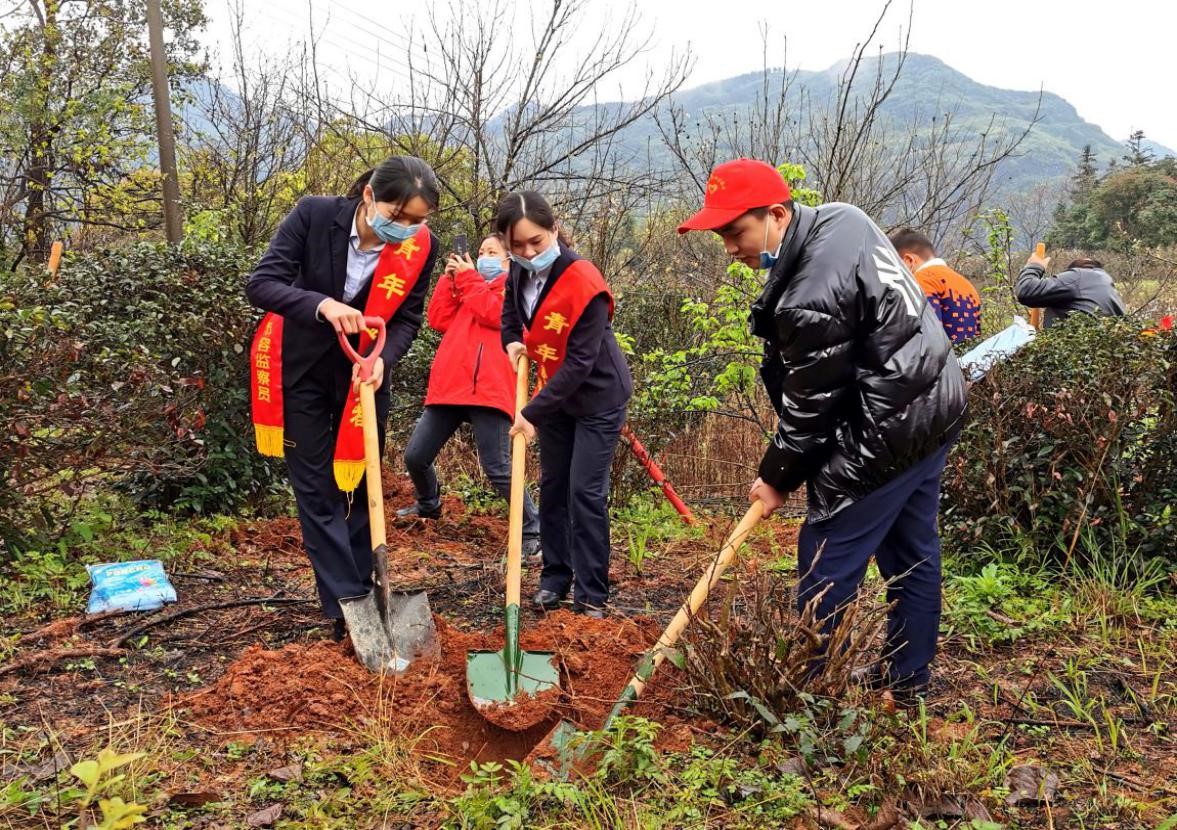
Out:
{"x": 575, "y": 455}
{"x": 492, "y": 430}
{"x": 334, "y": 533}
{"x": 897, "y": 523}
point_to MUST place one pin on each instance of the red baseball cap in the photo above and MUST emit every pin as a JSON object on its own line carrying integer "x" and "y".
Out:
{"x": 736, "y": 187}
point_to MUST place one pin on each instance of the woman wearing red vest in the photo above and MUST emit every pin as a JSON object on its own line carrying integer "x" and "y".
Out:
{"x": 559, "y": 311}
{"x": 333, "y": 261}
{"x": 471, "y": 380}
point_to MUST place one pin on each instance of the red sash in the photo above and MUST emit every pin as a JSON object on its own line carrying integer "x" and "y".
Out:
{"x": 557, "y": 315}
{"x": 396, "y": 273}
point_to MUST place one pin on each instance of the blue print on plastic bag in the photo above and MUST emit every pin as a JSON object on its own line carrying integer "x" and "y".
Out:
{"x": 129, "y": 586}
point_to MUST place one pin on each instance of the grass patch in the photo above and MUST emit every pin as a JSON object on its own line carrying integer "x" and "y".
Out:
{"x": 52, "y": 580}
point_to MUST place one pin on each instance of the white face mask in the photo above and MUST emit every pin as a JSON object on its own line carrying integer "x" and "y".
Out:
{"x": 768, "y": 260}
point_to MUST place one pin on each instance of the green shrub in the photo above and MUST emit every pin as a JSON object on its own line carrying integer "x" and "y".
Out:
{"x": 1077, "y": 430}
{"x": 130, "y": 368}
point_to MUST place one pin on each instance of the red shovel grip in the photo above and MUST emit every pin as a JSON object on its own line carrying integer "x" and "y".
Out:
{"x": 366, "y": 362}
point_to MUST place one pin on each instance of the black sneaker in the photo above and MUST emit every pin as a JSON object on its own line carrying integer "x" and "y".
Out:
{"x": 533, "y": 555}
{"x": 546, "y": 600}
{"x": 869, "y": 677}
{"x": 905, "y": 693}
{"x": 415, "y": 511}
{"x": 909, "y": 695}
{"x": 596, "y": 612}
{"x": 338, "y": 629}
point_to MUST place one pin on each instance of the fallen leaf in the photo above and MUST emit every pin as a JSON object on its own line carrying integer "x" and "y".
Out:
{"x": 194, "y": 799}
{"x": 1030, "y": 784}
{"x": 826, "y": 817}
{"x": 290, "y": 772}
{"x": 49, "y": 769}
{"x": 266, "y": 817}
{"x": 974, "y": 810}
{"x": 946, "y": 806}
{"x": 792, "y": 766}
{"x": 885, "y": 819}
{"x": 955, "y": 806}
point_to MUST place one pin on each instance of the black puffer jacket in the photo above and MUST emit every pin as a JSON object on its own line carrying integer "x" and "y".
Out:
{"x": 856, "y": 363}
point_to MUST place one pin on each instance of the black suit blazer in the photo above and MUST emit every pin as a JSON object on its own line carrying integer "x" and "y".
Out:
{"x": 305, "y": 264}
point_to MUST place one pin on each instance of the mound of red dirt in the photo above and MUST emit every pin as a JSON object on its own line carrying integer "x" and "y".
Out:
{"x": 420, "y": 550}
{"x": 320, "y": 687}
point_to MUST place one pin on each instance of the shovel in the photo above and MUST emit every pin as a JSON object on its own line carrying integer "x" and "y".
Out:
{"x": 512, "y": 688}
{"x": 1036, "y": 313}
{"x": 560, "y": 743}
{"x": 388, "y": 629}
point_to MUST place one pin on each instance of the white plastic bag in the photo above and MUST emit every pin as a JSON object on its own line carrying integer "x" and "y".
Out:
{"x": 129, "y": 586}
{"x": 991, "y": 351}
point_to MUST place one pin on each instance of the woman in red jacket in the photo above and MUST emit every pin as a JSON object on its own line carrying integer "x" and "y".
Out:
{"x": 471, "y": 380}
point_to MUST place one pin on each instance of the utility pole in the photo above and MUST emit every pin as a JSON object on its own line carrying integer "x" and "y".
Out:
{"x": 163, "y": 124}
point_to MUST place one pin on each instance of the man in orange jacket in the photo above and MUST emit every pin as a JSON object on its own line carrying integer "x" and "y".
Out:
{"x": 954, "y": 299}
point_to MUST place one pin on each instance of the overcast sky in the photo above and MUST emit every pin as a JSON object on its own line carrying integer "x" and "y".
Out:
{"x": 1115, "y": 62}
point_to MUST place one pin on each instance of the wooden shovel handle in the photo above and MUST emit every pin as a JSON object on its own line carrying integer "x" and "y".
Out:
{"x": 1036, "y": 313}
{"x": 375, "y": 492}
{"x": 695, "y": 601}
{"x": 518, "y": 480}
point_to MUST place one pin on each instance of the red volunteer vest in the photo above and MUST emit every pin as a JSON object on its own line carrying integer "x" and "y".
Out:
{"x": 547, "y": 339}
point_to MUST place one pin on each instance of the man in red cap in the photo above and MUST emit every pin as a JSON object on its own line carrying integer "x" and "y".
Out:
{"x": 869, "y": 397}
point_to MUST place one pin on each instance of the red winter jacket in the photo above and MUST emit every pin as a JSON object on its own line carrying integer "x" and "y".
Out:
{"x": 470, "y": 367}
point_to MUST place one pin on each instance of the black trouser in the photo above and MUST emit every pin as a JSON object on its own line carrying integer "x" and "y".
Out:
{"x": 334, "y": 532}
{"x": 897, "y": 523}
{"x": 575, "y": 455}
{"x": 491, "y": 435}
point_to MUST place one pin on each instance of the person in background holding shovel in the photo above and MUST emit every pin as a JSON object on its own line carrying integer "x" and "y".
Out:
{"x": 471, "y": 380}
{"x": 869, "y": 396}
{"x": 333, "y": 261}
{"x": 1084, "y": 287}
{"x": 559, "y": 312}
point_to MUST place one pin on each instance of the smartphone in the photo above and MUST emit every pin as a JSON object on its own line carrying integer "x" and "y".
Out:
{"x": 461, "y": 245}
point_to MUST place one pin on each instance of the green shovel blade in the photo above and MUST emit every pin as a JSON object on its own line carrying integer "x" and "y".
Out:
{"x": 490, "y": 680}
{"x": 502, "y": 676}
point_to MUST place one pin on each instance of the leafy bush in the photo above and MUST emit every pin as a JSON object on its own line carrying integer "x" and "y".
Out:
{"x": 131, "y": 367}
{"x": 1000, "y": 604}
{"x": 1079, "y": 429}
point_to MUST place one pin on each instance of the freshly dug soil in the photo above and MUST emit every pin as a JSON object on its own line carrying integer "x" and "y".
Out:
{"x": 320, "y": 687}
{"x": 524, "y": 712}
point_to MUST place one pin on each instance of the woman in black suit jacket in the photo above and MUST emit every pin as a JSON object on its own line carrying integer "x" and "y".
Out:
{"x": 318, "y": 276}
{"x": 559, "y": 311}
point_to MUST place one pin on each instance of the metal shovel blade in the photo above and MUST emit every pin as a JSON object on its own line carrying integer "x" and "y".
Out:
{"x": 489, "y": 678}
{"x": 392, "y": 644}
{"x": 556, "y": 754}
{"x": 368, "y": 635}
{"x": 410, "y": 625}
{"x": 510, "y": 700}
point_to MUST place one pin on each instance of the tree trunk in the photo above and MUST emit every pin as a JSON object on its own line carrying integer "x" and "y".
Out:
{"x": 37, "y": 241}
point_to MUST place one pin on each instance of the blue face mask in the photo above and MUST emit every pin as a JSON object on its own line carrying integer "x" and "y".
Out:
{"x": 391, "y": 231}
{"x": 768, "y": 260}
{"x": 542, "y": 260}
{"x": 490, "y": 267}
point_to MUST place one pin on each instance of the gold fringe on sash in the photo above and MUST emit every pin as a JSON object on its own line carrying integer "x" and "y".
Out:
{"x": 269, "y": 440}
{"x": 348, "y": 474}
